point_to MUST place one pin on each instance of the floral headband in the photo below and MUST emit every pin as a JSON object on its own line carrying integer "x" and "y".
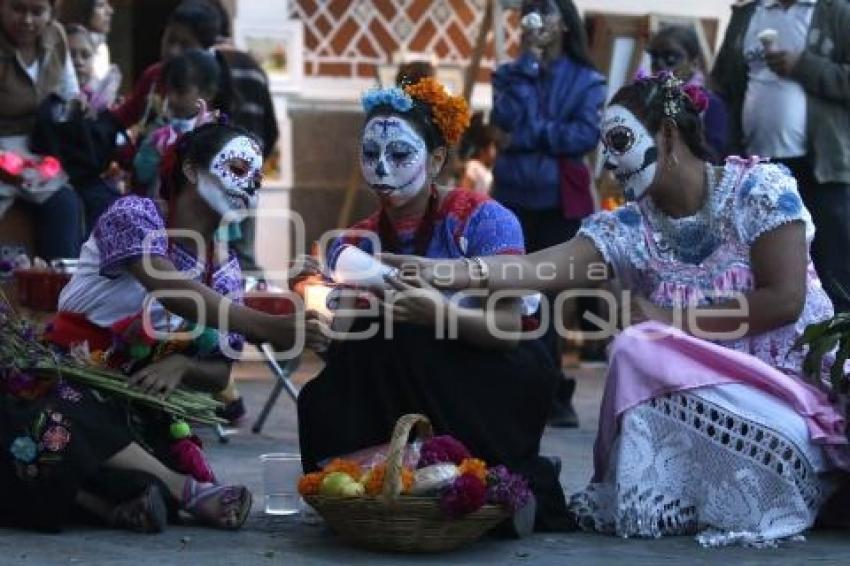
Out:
{"x": 675, "y": 92}
{"x": 450, "y": 114}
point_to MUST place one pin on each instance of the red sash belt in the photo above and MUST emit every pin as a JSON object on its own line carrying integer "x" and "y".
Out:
{"x": 68, "y": 328}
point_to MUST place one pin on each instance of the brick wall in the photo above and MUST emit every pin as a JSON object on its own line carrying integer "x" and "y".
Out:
{"x": 348, "y": 38}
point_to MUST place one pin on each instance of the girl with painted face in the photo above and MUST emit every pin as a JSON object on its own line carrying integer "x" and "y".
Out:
{"x": 706, "y": 420}
{"x": 144, "y": 280}
{"x": 490, "y": 392}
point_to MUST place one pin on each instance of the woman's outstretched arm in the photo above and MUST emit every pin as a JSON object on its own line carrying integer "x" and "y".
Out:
{"x": 575, "y": 264}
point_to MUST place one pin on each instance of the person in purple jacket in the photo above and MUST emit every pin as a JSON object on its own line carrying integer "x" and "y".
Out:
{"x": 676, "y": 49}
{"x": 549, "y": 102}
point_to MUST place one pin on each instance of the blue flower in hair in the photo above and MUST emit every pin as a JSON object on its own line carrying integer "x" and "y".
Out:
{"x": 393, "y": 97}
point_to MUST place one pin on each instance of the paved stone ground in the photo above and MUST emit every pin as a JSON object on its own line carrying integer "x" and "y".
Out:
{"x": 288, "y": 541}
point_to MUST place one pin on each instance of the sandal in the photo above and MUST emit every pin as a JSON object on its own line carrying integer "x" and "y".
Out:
{"x": 220, "y": 506}
{"x": 145, "y": 514}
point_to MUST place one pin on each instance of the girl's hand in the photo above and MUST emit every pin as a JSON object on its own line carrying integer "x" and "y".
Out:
{"x": 415, "y": 301}
{"x": 308, "y": 271}
{"x": 442, "y": 274}
{"x": 162, "y": 377}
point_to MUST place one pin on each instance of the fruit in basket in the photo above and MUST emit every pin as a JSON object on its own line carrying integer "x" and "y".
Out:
{"x": 353, "y": 489}
{"x": 338, "y": 484}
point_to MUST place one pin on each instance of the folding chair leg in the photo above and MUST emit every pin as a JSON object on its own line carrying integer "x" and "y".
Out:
{"x": 267, "y": 408}
{"x": 221, "y": 434}
{"x": 282, "y": 382}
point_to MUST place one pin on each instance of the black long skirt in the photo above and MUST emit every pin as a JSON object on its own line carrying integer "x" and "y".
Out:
{"x": 53, "y": 441}
{"x": 495, "y": 402}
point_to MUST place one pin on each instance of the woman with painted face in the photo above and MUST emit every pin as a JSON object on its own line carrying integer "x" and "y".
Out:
{"x": 706, "y": 424}
{"x": 676, "y": 49}
{"x": 549, "y": 102}
{"x": 490, "y": 392}
{"x": 143, "y": 279}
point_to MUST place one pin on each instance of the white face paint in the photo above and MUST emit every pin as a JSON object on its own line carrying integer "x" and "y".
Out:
{"x": 394, "y": 159}
{"x": 229, "y": 186}
{"x": 630, "y": 151}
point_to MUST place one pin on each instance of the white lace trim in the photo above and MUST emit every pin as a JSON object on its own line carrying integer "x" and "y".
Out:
{"x": 683, "y": 465}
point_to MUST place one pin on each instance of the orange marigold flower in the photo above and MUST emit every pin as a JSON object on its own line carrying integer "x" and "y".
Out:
{"x": 375, "y": 480}
{"x": 349, "y": 467}
{"x": 474, "y": 466}
{"x": 309, "y": 484}
{"x": 451, "y": 113}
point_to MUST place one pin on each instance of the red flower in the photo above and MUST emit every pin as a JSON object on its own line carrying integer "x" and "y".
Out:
{"x": 443, "y": 449}
{"x": 698, "y": 97}
{"x": 466, "y": 495}
{"x": 56, "y": 438}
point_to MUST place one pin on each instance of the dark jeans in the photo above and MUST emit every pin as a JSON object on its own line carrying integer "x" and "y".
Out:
{"x": 58, "y": 225}
{"x": 829, "y": 205}
{"x": 96, "y": 197}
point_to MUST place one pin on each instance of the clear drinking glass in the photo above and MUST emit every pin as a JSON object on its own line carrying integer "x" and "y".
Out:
{"x": 280, "y": 483}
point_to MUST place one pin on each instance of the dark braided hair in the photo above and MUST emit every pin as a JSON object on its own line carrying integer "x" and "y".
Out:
{"x": 648, "y": 99}
{"x": 198, "y": 146}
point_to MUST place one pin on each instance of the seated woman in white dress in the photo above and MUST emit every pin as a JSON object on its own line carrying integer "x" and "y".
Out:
{"x": 706, "y": 428}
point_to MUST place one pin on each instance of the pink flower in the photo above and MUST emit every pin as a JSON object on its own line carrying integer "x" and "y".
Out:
{"x": 442, "y": 450}
{"x": 698, "y": 97}
{"x": 56, "y": 438}
{"x": 466, "y": 495}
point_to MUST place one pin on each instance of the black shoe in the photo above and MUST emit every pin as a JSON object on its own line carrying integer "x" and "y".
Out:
{"x": 233, "y": 412}
{"x": 562, "y": 414}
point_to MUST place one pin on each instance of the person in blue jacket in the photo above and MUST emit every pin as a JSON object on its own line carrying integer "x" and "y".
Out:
{"x": 549, "y": 102}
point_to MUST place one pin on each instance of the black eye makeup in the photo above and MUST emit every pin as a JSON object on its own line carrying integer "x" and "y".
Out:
{"x": 371, "y": 151}
{"x": 619, "y": 139}
{"x": 400, "y": 153}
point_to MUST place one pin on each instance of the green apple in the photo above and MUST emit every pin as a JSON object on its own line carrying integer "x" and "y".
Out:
{"x": 334, "y": 483}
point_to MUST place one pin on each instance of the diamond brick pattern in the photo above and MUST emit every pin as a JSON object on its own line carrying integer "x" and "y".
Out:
{"x": 349, "y": 38}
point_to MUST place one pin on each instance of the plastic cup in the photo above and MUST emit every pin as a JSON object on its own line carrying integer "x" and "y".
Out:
{"x": 280, "y": 483}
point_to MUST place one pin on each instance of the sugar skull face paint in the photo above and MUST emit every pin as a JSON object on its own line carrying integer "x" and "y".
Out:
{"x": 235, "y": 173}
{"x": 630, "y": 151}
{"x": 394, "y": 159}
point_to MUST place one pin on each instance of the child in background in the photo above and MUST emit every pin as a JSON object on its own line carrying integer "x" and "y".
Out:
{"x": 191, "y": 83}
{"x": 95, "y": 94}
{"x": 81, "y": 47}
{"x": 482, "y": 147}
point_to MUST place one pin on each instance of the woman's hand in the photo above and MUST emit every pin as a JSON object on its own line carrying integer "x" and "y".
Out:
{"x": 309, "y": 272}
{"x": 442, "y": 273}
{"x": 162, "y": 377}
{"x": 415, "y": 301}
{"x": 282, "y": 333}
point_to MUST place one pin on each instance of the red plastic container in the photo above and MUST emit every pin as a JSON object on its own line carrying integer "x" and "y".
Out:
{"x": 39, "y": 289}
{"x": 269, "y": 302}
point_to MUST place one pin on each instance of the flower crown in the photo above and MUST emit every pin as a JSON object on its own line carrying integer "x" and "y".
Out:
{"x": 675, "y": 92}
{"x": 449, "y": 113}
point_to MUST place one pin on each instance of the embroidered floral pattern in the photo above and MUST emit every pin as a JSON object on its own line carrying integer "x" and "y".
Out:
{"x": 56, "y": 438}
{"x": 24, "y": 449}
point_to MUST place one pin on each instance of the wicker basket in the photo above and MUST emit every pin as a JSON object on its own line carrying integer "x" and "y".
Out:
{"x": 398, "y": 523}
